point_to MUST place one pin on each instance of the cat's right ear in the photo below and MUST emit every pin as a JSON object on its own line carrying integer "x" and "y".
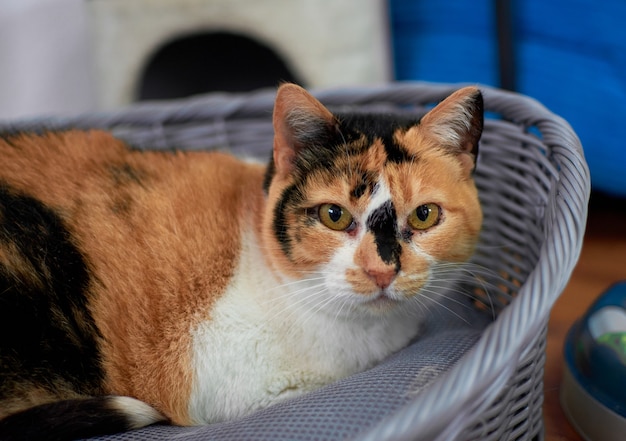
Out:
{"x": 299, "y": 120}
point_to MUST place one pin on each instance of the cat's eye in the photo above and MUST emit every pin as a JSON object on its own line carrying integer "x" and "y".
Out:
{"x": 335, "y": 217}
{"x": 424, "y": 216}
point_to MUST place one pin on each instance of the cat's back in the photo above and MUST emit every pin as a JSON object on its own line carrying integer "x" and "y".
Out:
{"x": 115, "y": 250}
{"x": 59, "y": 166}
{"x": 86, "y": 175}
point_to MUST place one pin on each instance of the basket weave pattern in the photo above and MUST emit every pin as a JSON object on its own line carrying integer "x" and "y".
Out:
{"x": 534, "y": 186}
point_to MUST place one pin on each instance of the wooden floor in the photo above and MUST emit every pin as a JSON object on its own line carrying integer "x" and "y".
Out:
{"x": 603, "y": 262}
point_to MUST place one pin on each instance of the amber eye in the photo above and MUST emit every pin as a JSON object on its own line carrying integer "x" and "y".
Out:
{"x": 424, "y": 216}
{"x": 335, "y": 217}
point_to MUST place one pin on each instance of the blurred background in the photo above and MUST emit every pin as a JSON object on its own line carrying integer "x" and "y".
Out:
{"x": 70, "y": 56}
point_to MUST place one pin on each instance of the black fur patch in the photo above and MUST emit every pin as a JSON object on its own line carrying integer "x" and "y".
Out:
{"x": 125, "y": 174}
{"x": 383, "y": 127}
{"x": 366, "y": 185}
{"x": 383, "y": 225}
{"x": 359, "y": 190}
{"x": 269, "y": 175}
{"x": 64, "y": 420}
{"x": 289, "y": 200}
{"x": 47, "y": 335}
{"x": 355, "y": 134}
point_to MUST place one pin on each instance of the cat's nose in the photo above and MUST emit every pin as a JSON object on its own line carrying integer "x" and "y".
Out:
{"x": 382, "y": 277}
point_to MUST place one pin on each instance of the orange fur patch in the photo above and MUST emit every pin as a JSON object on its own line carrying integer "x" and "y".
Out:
{"x": 120, "y": 203}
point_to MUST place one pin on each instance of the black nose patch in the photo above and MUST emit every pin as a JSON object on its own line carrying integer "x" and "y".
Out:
{"x": 383, "y": 224}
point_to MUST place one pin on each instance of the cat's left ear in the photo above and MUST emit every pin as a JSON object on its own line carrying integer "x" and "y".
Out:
{"x": 456, "y": 124}
{"x": 300, "y": 120}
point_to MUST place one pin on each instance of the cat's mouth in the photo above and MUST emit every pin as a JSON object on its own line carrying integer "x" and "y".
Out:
{"x": 382, "y": 301}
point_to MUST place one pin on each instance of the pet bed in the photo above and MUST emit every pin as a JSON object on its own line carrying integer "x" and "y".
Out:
{"x": 477, "y": 372}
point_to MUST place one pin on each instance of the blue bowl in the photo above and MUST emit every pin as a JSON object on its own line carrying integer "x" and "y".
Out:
{"x": 593, "y": 391}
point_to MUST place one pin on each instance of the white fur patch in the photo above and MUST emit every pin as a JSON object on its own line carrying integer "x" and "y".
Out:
{"x": 379, "y": 197}
{"x": 268, "y": 340}
{"x": 139, "y": 414}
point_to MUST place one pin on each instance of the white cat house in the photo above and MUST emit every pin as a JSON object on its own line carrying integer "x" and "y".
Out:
{"x": 144, "y": 47}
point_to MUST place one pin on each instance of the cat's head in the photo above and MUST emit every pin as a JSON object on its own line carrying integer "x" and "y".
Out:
{"x": 366, "y": 208}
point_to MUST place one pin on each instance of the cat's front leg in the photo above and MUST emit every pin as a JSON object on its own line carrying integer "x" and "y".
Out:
{"x": 289, "y": 385}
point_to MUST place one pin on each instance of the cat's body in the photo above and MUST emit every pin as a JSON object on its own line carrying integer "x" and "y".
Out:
{"x": 208, "y": 287}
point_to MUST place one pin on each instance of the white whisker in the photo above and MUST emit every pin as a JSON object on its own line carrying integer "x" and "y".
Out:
{"x": 450, "y": 310}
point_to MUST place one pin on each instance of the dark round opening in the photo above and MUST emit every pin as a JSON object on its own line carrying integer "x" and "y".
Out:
{"x": 211, "y": 62}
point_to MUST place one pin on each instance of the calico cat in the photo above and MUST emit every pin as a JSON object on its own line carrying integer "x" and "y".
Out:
{"x": 192, "y": 287}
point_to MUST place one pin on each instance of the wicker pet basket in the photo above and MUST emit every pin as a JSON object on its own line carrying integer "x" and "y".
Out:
{"x": 477, "y": 374}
